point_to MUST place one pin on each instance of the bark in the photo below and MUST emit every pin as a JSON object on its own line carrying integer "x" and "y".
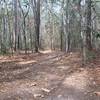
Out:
{"x": 36, "y": 12}
{"x": 87, "y": 46}
{"x": 15, "y": 23}
{"x": 4, "y": 35}
{"x": 88, "y": 23}
{"x": 62, "y": 28}
{"x": 24, "y": 33}
{"x": 25, "y": 14}
{"x": 67, "y": 27}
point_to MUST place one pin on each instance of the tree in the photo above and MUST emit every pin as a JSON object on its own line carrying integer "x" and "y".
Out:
{"x": 62, "y": 27}
{"x": 67, "y": 25}
{"x": 88, "y": 24}
{"x": 87, "y": 46}
{"x": 26, "y": 4}
{"x": 16, "y": 23}
{"x": 36, "y": 12}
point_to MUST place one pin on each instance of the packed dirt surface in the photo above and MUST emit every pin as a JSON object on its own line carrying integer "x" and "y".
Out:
{"x": 49, "y": 76}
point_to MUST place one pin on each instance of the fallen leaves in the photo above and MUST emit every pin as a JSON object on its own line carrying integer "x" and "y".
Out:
{"x": 46, "y": 75}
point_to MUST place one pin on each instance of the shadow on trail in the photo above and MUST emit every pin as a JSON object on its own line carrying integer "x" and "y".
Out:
{"x": 59, "y": 73}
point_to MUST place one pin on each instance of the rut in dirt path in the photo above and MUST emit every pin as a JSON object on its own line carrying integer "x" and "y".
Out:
{"x": 54, "y": 76}
{"x": 18, "y": 80}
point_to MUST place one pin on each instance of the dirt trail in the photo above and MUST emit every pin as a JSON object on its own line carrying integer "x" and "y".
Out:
{"x": 50, "y": 76}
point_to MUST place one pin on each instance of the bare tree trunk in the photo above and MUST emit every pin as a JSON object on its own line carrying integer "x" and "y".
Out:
{"x": 24, "y": 33}
{"x": 36, "y": 12}
{"x": 31, "y": 36}
{"x": 88, "y": 23}
{"x": 62, "y": 28}
{"x": 24, "y": 24}
{"x": 87, "y": 46}
{"x": 10, "y": 33}
{"x": 61, "y": 36}
{"x": 67, "y": 27}
{"x": 4, "y": 34}
{"x": 15, "y": 24}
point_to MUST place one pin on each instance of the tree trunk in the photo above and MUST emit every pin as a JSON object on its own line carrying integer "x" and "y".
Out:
{"x": 36, "y": 12}
{"x": 87, "y": 46}
{"x": 67, "y": 27}
{"x": 88, "y": 23}
{"x": 24, "y": 33}
{"x": 62, "y": 28}
{"x": 4, "y": 35}
{"x": 15, "y": 23}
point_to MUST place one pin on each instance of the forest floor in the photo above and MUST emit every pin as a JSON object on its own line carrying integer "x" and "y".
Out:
{"x": 49, "y": 76}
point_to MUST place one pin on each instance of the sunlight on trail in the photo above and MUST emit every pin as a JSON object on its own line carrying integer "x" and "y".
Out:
{"x": 77, "y": 80}
{"x": 27, "y": 62}
{"x": 10, "y": 59}
{"x": 46, "y": 51}
{"x": 43, "y": 77}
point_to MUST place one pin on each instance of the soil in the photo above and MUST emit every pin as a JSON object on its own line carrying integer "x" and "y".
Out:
{"x": 49, "y": 76}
